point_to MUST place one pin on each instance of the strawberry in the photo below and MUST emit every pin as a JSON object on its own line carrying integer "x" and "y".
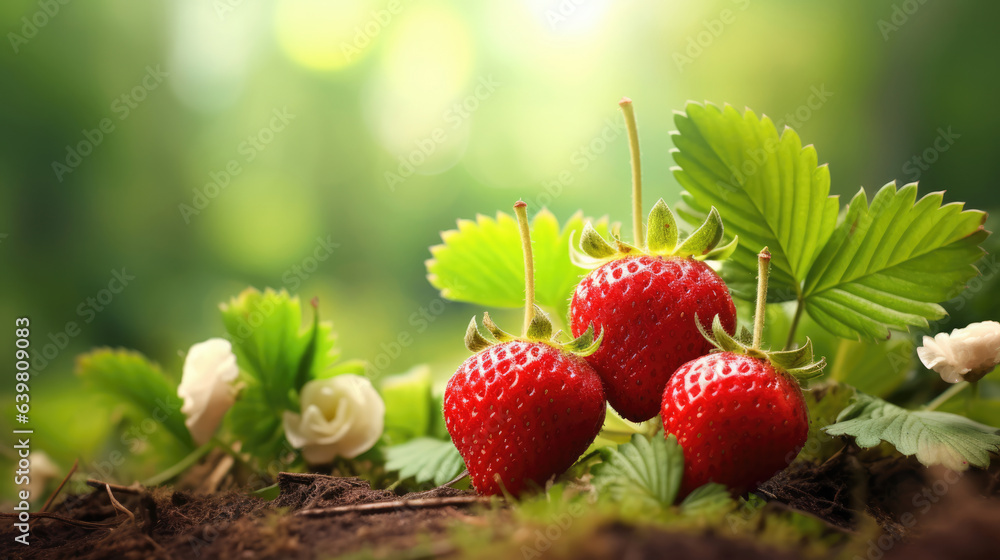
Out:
{"x": 521, "y": 412}
{"x": 644, "y": 298}
{"x": 739, "y": 414}
{"x": 523, "y": 409}
{"x": 647, "y": 306}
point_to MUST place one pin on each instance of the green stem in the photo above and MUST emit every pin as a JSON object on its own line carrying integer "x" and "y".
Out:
{"x": 947, "y": 394}
{"x": 181, "y": 466}
{"x": 799, "y": 307}
{"x": 633, "y": 148}
{"x": 521, "y": 209}
{"x": 763, "y": 270}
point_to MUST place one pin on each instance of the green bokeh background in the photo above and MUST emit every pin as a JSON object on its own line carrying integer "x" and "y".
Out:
{"x": 369, "y": 82}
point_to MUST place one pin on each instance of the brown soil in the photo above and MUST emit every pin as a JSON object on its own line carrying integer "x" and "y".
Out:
{"x": 909, "y": 513}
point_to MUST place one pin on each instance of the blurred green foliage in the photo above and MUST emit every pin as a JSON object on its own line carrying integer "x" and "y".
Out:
{"x": 290, "y": 128}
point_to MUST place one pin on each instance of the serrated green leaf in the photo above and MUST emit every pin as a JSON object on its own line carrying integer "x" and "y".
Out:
{"x": 426, "y": 460}
{"x": 935, "y": 438}
{"x": 644, "y": 472}
{"x": 409, "y": 404}
{"x": 661, "y": 231}
{"x": 272, "y": 347}
{"x": 481, "y": 261}
{"x": 769, "y": 189}
{"x": 888, "y": 265}
{"x": 878, "y": 267}
{"x": 708, "y": 498}
{"x": 132, "y": 379}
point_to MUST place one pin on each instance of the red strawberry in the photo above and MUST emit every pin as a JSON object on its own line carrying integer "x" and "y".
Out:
{"x": 646, "y": 305}
{"x": 522, "y": 412}
{"x": 644, "y": 297}
{"x": 523, "y": 409}
{"x": 739, "y": 414}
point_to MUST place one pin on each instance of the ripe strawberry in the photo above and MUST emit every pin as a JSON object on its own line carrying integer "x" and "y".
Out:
{"x": 644, "y": 297}
{"x": 523, "y": 409}
{"x": 739, "y": 414}
{"x": 522, "y": 412}
{"x": 646, "y": 305}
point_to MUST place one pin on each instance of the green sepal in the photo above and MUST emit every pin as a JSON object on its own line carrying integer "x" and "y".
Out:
{"x": 475, "y": 341}
{"x": 499, "y": 334}
{"x": 662, "y": 239}
{"x": 799, "y": 363}
{"x": 721, "y": 253}
{"x": 585, "y": 344}
{"x": 540, "y": 328}
{"x": 661, "y": 229}
{"x": 705, "y": 238}
{"x": 593, "y": 245}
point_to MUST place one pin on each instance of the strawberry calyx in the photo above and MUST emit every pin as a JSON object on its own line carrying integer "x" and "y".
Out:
{"x": 539, "y": 331}
{"x": 662, "y": 239}
{"x": 800, "y": 363}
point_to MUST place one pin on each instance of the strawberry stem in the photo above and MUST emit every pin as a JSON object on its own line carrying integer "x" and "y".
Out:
{"x": 764, "y": 268}
{"x": 521, "y": 209}
{"x": 633, "y": 148}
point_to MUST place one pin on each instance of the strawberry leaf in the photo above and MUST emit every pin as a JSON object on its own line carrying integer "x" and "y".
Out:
{"x": 936, "y": 438}
{"x": 874, "y": 369}
{"x": 426, "y": 460}
{"x": 708, "y": 498}
{"x": 878, "y": 267}
{"x": 481, "y": 261}
{"x": 274, "y": 351}
{"x": 768, "y": 189}
{"x": 645, "y": 472}
{"x": 889, "y": 264}
{"x": 132, "y": 379}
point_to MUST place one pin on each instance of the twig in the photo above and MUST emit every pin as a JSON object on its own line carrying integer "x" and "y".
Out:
{"x": 48, "y": 502}
{"x": 136, "y": 489}
{"x": 393, "y": 505}
{"x": 118, "y": 505}
{"x": 448, "y": 484}
{"x": 64, "y": 519}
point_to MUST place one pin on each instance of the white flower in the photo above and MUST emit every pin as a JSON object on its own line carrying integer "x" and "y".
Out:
{"x": 342, "y": 416}
{"x": 964, "y": 355}
{"x": 207, "y": 386}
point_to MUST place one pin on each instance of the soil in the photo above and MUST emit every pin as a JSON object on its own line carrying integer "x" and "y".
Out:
{"x": 911, "y": 513}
